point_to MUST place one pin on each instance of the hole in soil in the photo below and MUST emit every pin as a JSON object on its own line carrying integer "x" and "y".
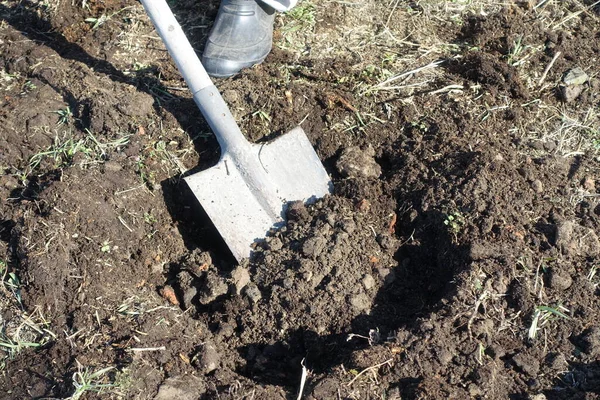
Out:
{"x": 413, "y": 289}
{"x": 35, "y": 185}
{"x": 5, "y": 230}
{"x": 487, "y": 70}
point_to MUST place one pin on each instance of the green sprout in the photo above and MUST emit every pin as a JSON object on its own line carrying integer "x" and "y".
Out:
{"x": 11, "y": 281}
{"x": 65, "y": 115}
{"x": 149, "y": 218}
{"x": 263, "y": 116}
{"x": 455, "y": 222}
{"x": 105, "y": 246}
{"x": 543, "y": 315}
{"x": 302, "y": 17}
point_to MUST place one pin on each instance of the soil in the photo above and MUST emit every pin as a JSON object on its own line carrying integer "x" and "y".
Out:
{"x": 456, "y": 257}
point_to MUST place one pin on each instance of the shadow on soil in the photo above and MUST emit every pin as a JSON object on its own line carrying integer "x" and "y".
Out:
{"x": 193, "y": 223}
{"x": 24, "y": 18}
{"x": 582, "y": 381}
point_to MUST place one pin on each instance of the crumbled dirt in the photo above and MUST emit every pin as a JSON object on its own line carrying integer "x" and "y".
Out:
{"x": 456, "y": 258}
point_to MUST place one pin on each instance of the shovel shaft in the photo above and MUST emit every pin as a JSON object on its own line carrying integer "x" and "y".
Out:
{"x": 217, "y": 114}
{"x": 177, "y": 44}
{"x": 207, "y": 97}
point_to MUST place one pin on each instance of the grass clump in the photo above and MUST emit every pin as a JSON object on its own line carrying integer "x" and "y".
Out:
{"x": 544, "y": 315}
{"x": 10, "y": 281}
{"x": 298, "y": 24}
{"x": 85, "y": 380}
{"x": 65, "y": 148}
{"x": 97, "y": 22}
{"x": 24, "y": 332}
{"x": 61, "y": 152}
{"x": 65, "y": 115}
{"x": 301, "y": 17}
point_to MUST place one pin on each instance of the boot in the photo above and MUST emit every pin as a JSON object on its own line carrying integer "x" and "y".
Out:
{"x": 241, "y": 37}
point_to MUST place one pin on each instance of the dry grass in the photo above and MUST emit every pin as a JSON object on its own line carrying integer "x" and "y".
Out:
{"x": 138, "y": 34}
{"x": 397, "y": 49}
{"x": 23, "y": 331}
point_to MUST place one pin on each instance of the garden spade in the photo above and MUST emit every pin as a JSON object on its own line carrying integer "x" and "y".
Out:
{"x": 246, "y": 193}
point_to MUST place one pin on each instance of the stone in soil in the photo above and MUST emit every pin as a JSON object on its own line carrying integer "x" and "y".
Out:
{"x": 570, "y": 93}
{"x": 589, "y": 184}
{"x": 207, "y": 359}
{"x": 574, "y": 239}
{"x": 355, "y": 162}
{"x": 241, "y": 277}
{"x": 368, "y": 281}
{"x": 253, "y": 293}
{"x": 539, "y": 396}
{"x": 573, "y": 84}
{"x": 182, "y": 388}
{"x": 537, "y": 186}
{"x": 213, "y": 287}
{"x": 575, "y": 76}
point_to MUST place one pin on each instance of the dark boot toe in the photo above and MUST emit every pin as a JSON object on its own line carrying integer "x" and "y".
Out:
{"x": 241, "y": 37}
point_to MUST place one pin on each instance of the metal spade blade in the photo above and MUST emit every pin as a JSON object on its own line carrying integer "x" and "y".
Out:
{"x": 245, "y": 194}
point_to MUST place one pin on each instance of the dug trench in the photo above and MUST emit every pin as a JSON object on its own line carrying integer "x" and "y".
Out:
{"x": 309, "y": 288}
{"x": 420, "y": 277}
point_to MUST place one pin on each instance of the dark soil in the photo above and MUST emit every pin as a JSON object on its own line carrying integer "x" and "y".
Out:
{"x": 420, "y": 277}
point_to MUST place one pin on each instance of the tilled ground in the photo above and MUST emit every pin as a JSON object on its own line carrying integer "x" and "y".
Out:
{"x": 456, "y": 258}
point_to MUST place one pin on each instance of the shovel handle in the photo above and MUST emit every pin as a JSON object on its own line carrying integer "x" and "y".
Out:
{"x": 177, "y": 44}
{"x": 206, "y": 95}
